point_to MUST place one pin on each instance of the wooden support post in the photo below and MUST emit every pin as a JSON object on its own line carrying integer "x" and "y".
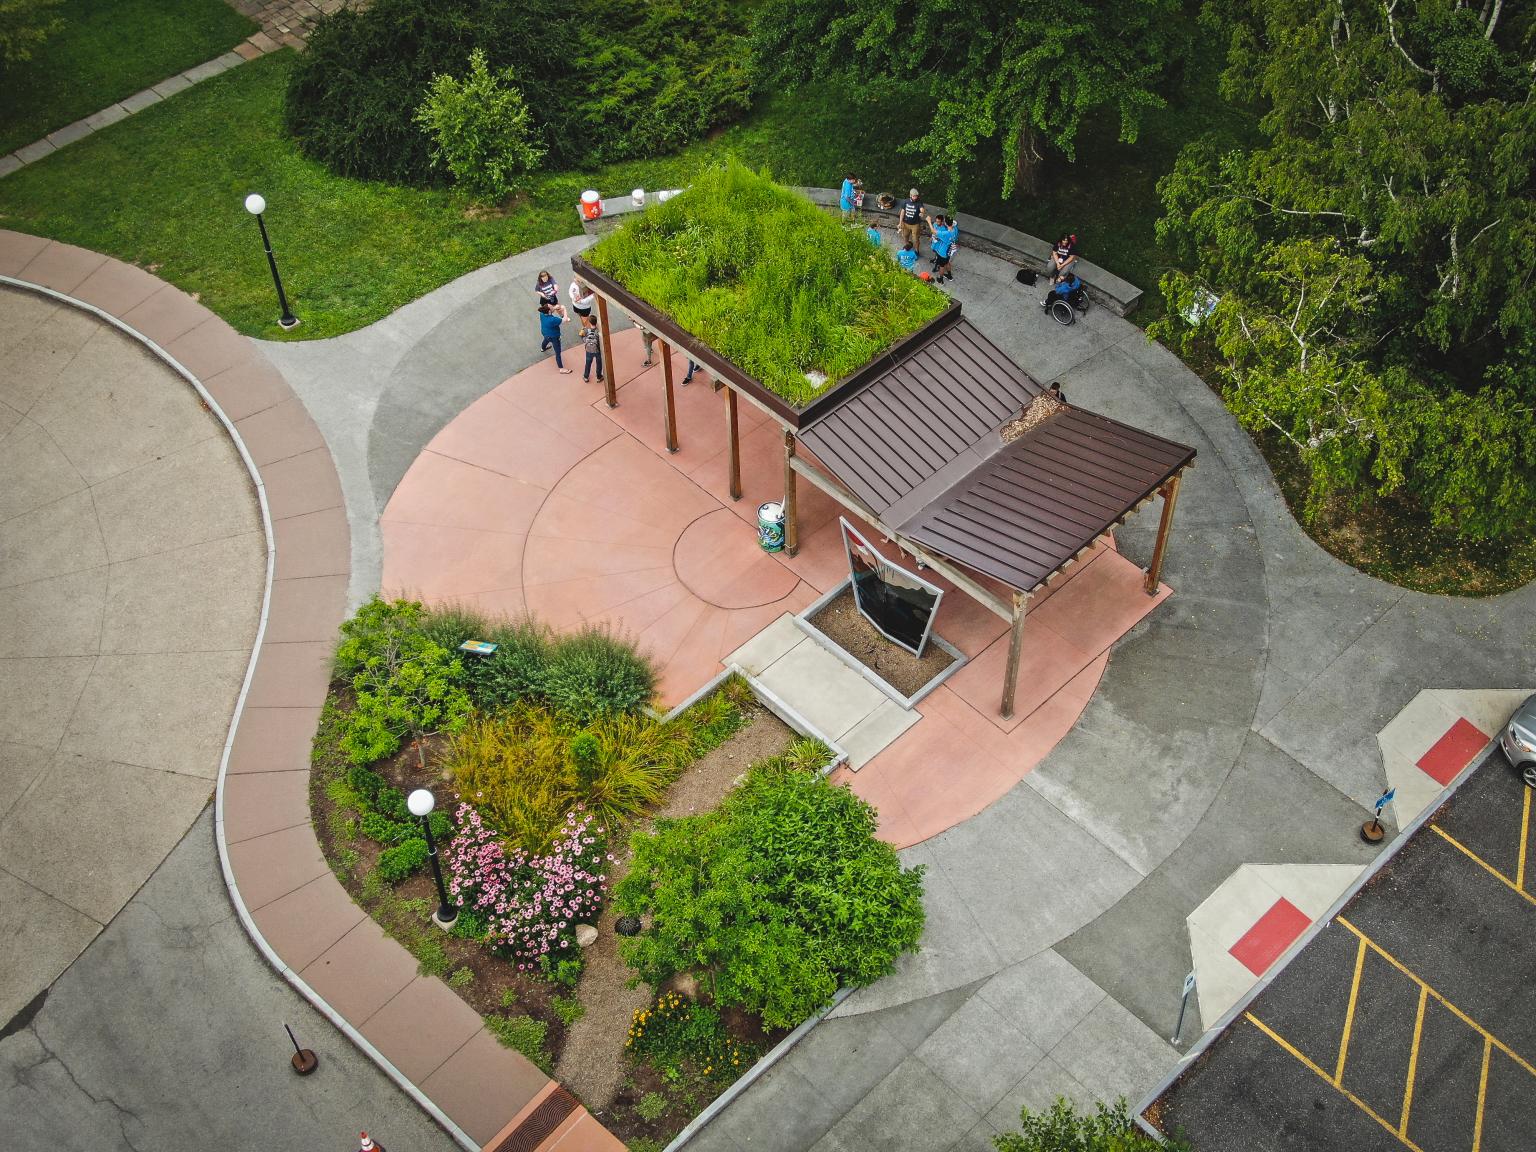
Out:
{"x": 1015, "y": 645}
{"x": 667, "y": 403}
{"x": 791, "y": 529}
{"x": 1170, "y": 501}
{"x": 734, "y": 430}
{"x": 610, "y": 383}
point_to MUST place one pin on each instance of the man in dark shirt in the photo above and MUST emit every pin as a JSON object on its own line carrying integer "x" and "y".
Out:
{"x": 909, "y": 220}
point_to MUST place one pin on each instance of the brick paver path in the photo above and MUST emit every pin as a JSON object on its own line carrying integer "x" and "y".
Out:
{"x": 283, "y": 22}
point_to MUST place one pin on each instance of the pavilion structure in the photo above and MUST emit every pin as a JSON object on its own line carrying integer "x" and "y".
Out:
{"x": 913, "y": 444}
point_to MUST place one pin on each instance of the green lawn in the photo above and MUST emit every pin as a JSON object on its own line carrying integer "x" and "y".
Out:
{"x": 108, "y": 49}
{"x": 352, "y": 252}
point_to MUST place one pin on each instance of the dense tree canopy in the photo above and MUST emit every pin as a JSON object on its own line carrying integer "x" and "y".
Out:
{"x": 1375, "y": 264}
{"x": 1023, "y": 74}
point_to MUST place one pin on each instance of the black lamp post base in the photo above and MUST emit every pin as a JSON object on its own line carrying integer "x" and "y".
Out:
{"x": 445, "y": 924}
{"x": 289, "y": 323}
{"x": 304, "y": 1061}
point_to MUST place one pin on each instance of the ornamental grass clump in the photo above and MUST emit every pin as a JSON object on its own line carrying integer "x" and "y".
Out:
{"x": 768, "y": 280}
{"x": 529, "y": 903}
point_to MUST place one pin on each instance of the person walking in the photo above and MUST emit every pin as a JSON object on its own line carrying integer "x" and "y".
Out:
{"x": 592, "y": 341}
{"x": 945, "y": 233}
{"x": 551, "y": 316}
{"x": 582, "y": 299}
{"x": 649, "y": 339}
{"x": 692, "y": 368}
{"x": 545, "y": 288}
{"x": 909, "y": 220}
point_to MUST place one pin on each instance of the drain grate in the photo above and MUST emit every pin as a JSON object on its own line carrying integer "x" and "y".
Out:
{"x": 538, "y": 1124}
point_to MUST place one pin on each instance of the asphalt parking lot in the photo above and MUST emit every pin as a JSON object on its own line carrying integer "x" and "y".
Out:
{"x": 1409, "y": 1021}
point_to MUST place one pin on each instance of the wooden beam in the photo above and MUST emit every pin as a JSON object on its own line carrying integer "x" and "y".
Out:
{"x": 791, "y": 500}
{"x": 610, "y": 381}
{"x": 983, "y": 596}
{"x": 669, "y": 407}
{"x": 1170, "y": 501}
{"x": 734, "y": 430}
{"x": 1015, "y": 646}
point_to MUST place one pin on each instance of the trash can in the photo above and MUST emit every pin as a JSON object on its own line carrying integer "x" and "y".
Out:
{"x": 591, "y": 205}
{"x": 770, "y": 526}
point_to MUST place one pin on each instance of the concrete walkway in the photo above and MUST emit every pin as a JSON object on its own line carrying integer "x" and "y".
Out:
{"x": 1236, "y": 725}
{"x": 132, "y": 566}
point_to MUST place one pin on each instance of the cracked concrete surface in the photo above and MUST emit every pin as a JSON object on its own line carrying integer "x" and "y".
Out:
{"x": 167, "y": 1035}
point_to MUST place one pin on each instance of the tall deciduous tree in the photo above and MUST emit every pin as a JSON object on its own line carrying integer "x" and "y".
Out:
{"x": 1376, "y": 263}
{"x": 24, "y": 25}
{"x": 1021, "y": 74}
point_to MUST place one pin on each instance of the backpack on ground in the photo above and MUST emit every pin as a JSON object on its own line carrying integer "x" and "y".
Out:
{"x": 1026, "y": 276}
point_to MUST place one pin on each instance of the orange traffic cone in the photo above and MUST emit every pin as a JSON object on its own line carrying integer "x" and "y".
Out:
{"x": 368, "y": 1145}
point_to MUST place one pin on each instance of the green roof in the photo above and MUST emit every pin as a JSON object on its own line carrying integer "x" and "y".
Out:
{"x": 771, "y": 282}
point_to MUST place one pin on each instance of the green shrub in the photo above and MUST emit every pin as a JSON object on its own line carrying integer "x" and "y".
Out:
{"x": 24, "y": 25}
{"x": 522, "y": 1034}
{"x": 584, "y": 753}
{"x": 396, "y": 863}
{"x": 480, "y": 130}
{"x": 569, "y": 1009}
{"x": 726, "y": 261}
{"x": 411, "y": 690}
{"x": 675, "y": 1035}
{"x": 461, "y": 978}
{"x": 515, "y": 671}
{"x": 384, "y": 830}
{"x": 594, "y": 673}
{"x": 449, "y": 625}
{"x": 651, "y": 1106}
{"x": 470, "y": 925}
{"x": 604, "y": 81}
{"x": 1061, "y": 1129}
{"x": 774, "y": 899}
{"x": 566, "y": 972}
{"x": 375, "y": 632}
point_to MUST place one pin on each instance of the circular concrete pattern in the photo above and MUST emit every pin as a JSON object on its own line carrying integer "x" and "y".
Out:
{"x": 132, "y": 561}
{"x": 724, "y": 566}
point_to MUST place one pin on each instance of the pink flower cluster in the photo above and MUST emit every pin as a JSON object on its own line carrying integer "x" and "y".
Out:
{"x": 531, "y": 904}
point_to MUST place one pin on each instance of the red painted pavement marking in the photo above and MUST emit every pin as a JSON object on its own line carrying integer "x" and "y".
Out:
{"x": 1275, "y": 931}
{"x": 1453, "y": 751}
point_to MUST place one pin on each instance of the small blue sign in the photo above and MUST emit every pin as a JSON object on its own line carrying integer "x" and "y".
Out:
{"x": 1386, "y": 798}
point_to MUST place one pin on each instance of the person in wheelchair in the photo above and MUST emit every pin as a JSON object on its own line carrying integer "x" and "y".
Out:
{"x": 1066, "y": 298}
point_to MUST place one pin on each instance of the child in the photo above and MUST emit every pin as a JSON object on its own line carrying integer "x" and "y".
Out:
{"x": 848, "y": 195}
{"x": 907, "y": 257}
{"x": 945, "y": 233}
{"x": 874, "y": 235}
{"x": 592, "y": 341}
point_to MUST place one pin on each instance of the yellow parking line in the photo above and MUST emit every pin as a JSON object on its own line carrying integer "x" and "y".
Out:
{"x": 1345, "y": 1092}
{"x": 1525, "y": 831}
{"x": 1476, "y": 859}
{"x": 1349, "y": 1016}
{"x": 1413, "y": 1059}
{"x": 1424, "y": 984}
{"x": 1482, "y": 1095}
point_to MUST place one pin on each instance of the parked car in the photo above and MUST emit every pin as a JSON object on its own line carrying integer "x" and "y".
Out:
{"x": 1518, "y": 740}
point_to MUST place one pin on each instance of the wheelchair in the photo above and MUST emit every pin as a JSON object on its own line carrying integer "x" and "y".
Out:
{"x": 1065, "y": 301}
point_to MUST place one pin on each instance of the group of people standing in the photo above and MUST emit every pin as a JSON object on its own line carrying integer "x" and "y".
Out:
{"x": 912, "y": 218}
{"x": 553, "y": 316}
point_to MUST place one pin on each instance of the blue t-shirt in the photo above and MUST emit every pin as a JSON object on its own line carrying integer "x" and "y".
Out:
{"x": 549, "y": 325}
{"x": 874, "y": 235}
{"x": 907, "y": 259}
{"x": 845, "y": 199}
{"x": 944, "y": 237}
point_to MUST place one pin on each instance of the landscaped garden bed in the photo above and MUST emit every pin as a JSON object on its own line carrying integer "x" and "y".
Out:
{"x": 752, "y": 886}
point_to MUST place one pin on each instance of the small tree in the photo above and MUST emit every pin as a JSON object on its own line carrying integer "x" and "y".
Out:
{"x": 411, "y": 689}
{"x": 24, "y": 25}
{"x": 1108, "y": 1129}
{"x": 480, "y": 130}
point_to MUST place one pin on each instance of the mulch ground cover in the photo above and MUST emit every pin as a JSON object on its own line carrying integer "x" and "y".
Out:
{"x": 841, "y": 622}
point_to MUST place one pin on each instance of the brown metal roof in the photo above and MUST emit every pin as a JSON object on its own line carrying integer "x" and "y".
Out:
{"x": 1041, "y": 500}
{"x": 929, "y": 418}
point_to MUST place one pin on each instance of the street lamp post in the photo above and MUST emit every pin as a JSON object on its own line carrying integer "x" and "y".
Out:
{"x": 256, "y": 205}
{"x": 421, "y": 802}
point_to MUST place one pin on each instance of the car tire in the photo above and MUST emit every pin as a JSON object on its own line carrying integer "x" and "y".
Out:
{"x": 1529, "y": 772}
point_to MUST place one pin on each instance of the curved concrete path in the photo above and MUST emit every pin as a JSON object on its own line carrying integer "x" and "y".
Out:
{"x": 132, "y": 566}
{"x": 1236, "y": 725}
{"x": 417, "y": 1030}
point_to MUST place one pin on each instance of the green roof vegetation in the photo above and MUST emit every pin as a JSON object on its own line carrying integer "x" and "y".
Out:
{"x": 768, "y": 280}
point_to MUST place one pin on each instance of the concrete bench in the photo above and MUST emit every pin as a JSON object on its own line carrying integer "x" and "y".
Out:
{"x": 1104, "y": 288}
